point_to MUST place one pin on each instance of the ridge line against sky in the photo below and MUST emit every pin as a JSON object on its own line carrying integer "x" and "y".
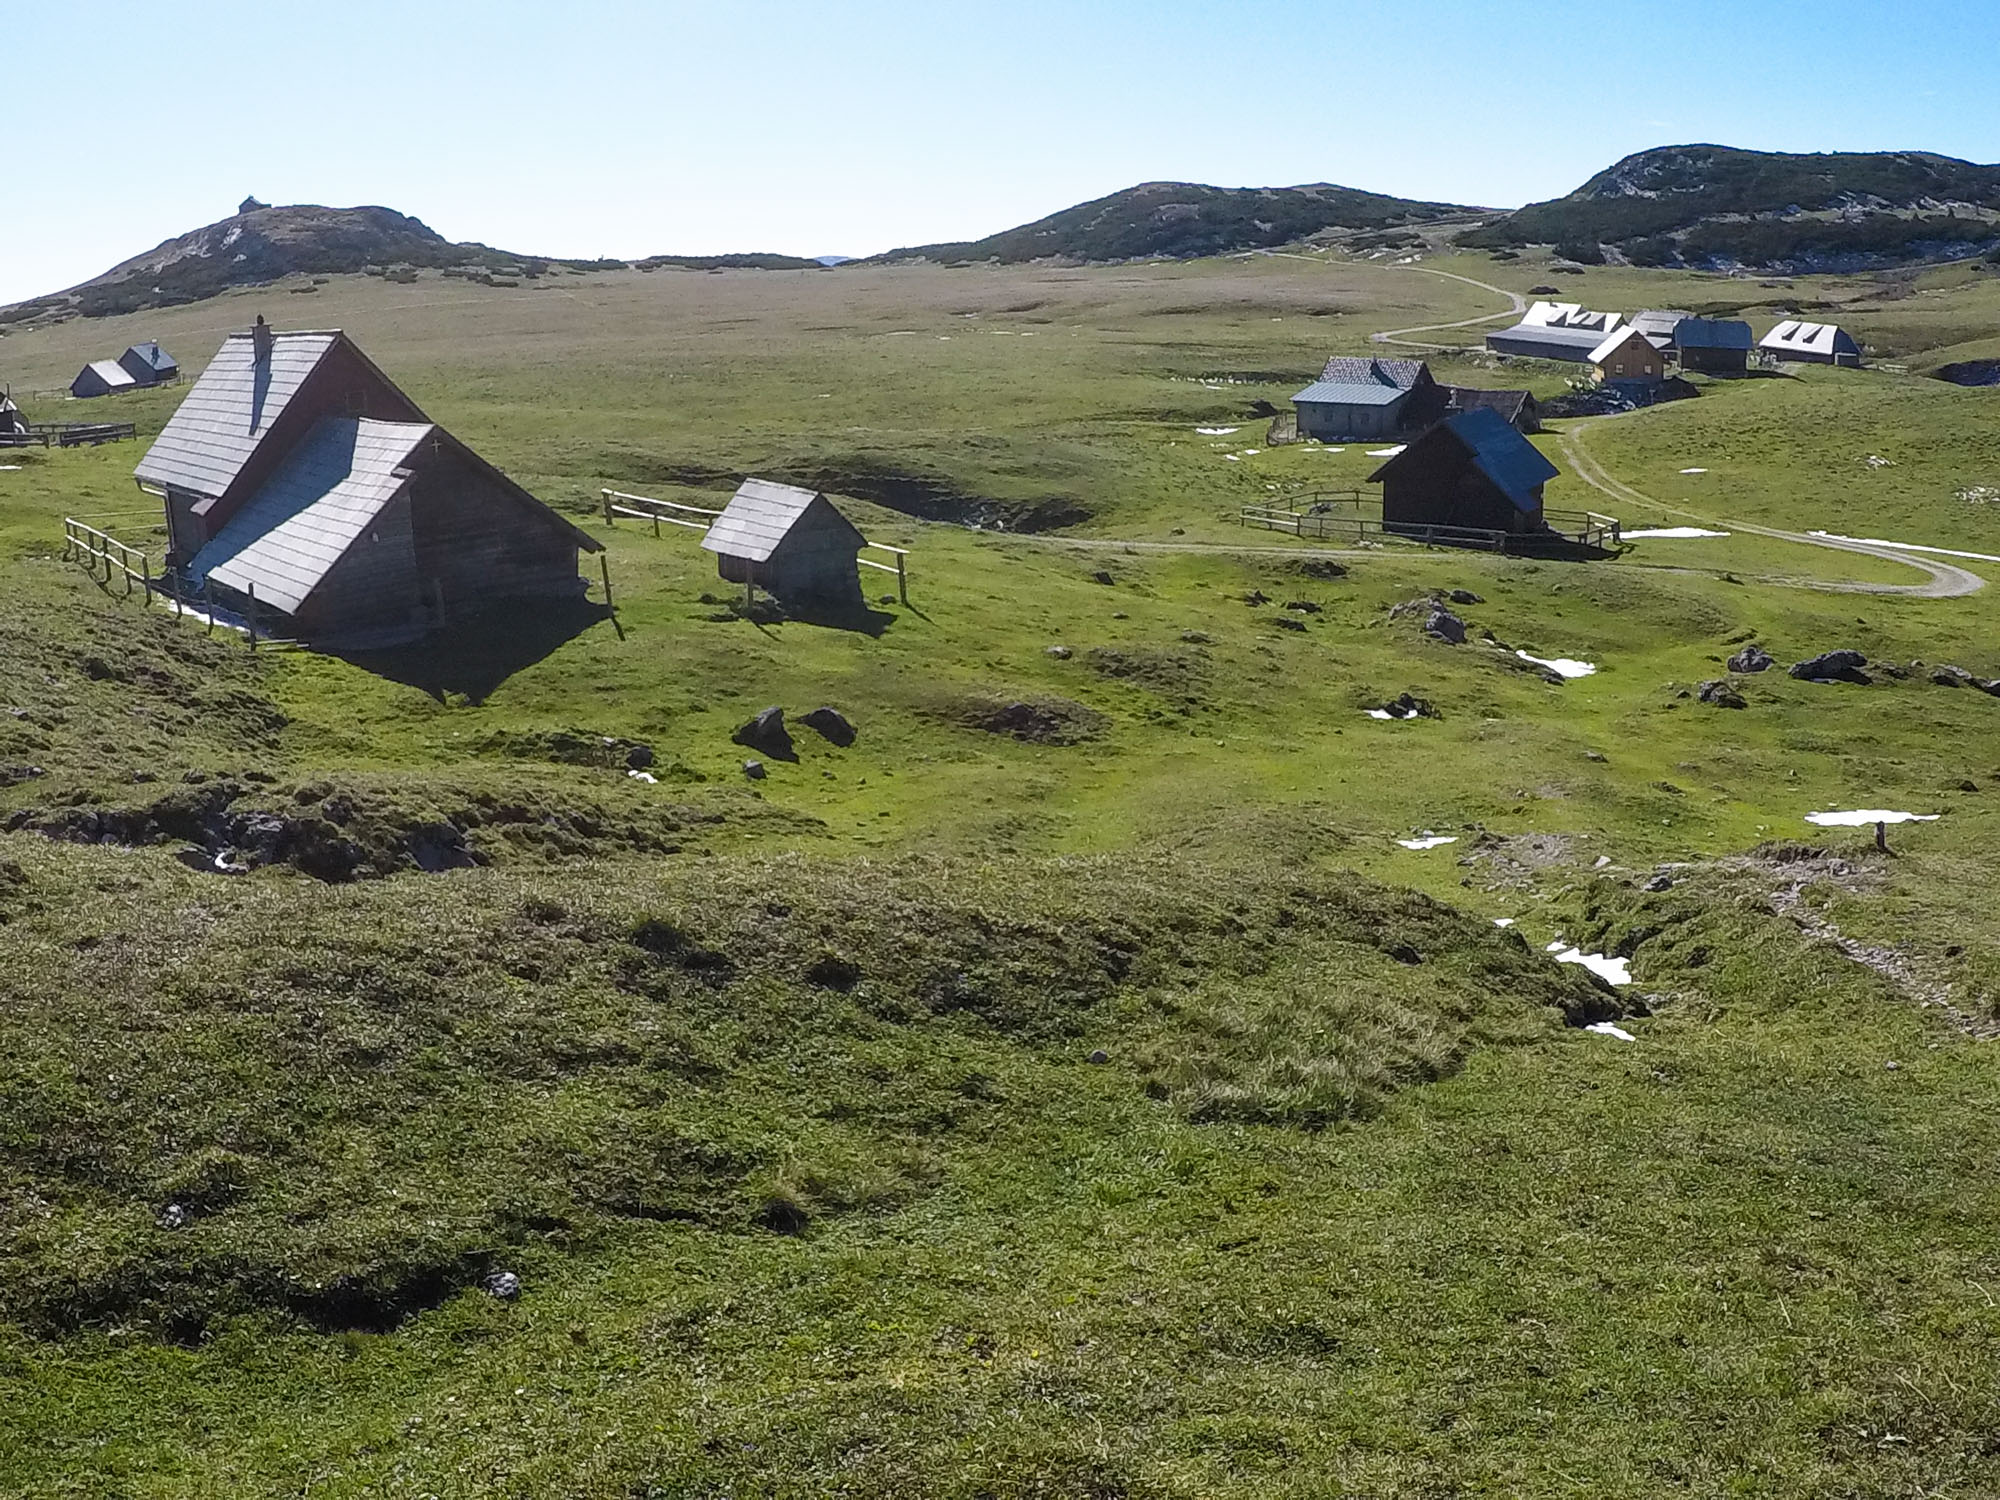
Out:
{"x": 620, "y": 128}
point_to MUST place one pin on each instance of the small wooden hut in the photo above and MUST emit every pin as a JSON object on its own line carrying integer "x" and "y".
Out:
{"x": 100, "y": 378}
{"x": 790, "y": 542}
{"x": 1472, "y": 471}
{"x": 12, "y": 423}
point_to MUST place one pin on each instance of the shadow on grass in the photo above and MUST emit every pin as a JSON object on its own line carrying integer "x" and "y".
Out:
{"x": 842, "y": 614}
{"x": 474, "y": 655}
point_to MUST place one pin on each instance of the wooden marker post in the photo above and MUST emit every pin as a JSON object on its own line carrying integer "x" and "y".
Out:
{"x": 250, "y": 616}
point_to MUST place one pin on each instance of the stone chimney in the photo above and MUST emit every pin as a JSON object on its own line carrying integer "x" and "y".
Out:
{"x": 262, "y": 338}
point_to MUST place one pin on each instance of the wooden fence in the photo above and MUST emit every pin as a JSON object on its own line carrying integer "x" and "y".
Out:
{"x": 94, "y": 549}
{"x": 1344, "y": 516}
{"x": 69, "y": 435}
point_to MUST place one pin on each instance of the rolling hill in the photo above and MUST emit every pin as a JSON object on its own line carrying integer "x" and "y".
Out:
{"x": 1715, "y": 207}
{"x": 1181, "y": 220}
{"x": 262, "y": 244}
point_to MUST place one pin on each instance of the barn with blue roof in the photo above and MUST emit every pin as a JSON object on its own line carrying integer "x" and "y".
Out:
{"x": 1472, "y": 471}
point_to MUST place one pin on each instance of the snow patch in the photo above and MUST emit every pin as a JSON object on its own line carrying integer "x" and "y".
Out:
{"x": 1605, "y": 1028}
{"x": 1217, "y": 431}
{"x": 1562, "y": 666}
{"x": 1863, "y": 817}
{"x": 1612, "y": 970}
{"x": 646, "y": 776}
{"x": 1876, "y": 541}
{"x": 1670, "y": 533}
{"x": 1694, "y": 471}
{"x": 1387, "y": 452}
{"x": 1503, "y": 921}
{"x": 1428, "y": 841}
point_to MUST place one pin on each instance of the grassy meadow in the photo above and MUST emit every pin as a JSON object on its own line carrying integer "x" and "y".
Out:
{"x": 1114, "y": 1110}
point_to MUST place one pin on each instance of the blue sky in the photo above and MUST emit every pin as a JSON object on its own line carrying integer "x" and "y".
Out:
{"x": 613, "y": 127}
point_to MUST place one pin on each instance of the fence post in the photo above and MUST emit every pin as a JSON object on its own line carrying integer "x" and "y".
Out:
{"x": 208, "y": 605}
{"x": 903, "y": 577}
{"x": 608, "y": 518}
{"x": 250, "y": 616}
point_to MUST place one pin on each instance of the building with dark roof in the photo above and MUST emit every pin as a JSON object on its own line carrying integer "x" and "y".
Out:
{"x": 1518, "y": 409}
{"x": 790, "y": 542}
{"x": 149, "y": 364}
{"x": 301, "y": 484}
{"x": 1811, "y": 344}
{"x": 1471, "y": 471}
{"x": 12, "y": 423}
{"x": 1714, "y": 346}
{"x": 1359, "y": 400}
{"x": 101, "y": 377}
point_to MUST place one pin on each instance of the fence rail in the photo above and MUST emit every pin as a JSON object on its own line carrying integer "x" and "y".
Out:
{"x": 1342, "y": 515}
{"x": 645, "y": 508}
{"x": 69, "y": 434}
{"x": 86, "y": 544}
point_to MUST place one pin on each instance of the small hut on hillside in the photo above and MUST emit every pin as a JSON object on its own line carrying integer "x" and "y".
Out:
{"x": 100, "y": 378}
{"x": 12, "y": 423}
{"x": 1812, "y": 344}
{"x": 1714, "y": 346}
{"x": 301, "y": 484}
{"x": 1358, "y": 400}
{"x": 790, "y": 542}
{"x": 1627, "y": 357}
{"x": 1472, "y": 471}
{"x": 149, "y": 364}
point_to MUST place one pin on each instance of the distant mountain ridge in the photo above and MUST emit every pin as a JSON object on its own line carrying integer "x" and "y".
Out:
{"x": 1179, "y": 220}
{"x": 261, "y": 244}
{"x": 1718, "y": 207}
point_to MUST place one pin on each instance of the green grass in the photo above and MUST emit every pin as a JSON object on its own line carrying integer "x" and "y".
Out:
{"x": 778, "y": 1096}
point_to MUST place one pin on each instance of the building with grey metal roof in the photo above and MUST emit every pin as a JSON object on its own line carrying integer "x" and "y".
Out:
{"x": 303, "y": 487}
{"x": 101, "y": 377}
{"x": 1360, "y": 399}
{"x": 791, "y": 542}
{"x": 1658, "y": 325}
{"x": 1812, "y": 343}
{"x": 1535, "y": 341}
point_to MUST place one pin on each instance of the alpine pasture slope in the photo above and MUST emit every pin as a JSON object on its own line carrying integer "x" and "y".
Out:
{"x": 779, "y": 1099}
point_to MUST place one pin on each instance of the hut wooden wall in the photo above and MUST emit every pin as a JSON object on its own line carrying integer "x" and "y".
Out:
{"x": 480, "y": 544}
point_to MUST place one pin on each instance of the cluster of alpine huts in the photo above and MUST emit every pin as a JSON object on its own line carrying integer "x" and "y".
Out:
{"x": 308, "y": 497}
{"x": 1634, "y": 356}
{"x": 1463, "y": 462}
{"x": 139, "y": 366}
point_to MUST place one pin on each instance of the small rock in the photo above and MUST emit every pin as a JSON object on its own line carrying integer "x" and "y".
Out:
{"x": 767, "y": 732}
{"x": 639, "y": 757}
{"x": 1060, "y": 653}
{"x": 1303, "y": 606}
{"x": 1831, "y": 666}
{"x": 1464, "y": 596}
{"x": 1256, "y": 597}
{"x": 1601, "y": 861}
{"x": 1951, "y": 677}
{"x": 1751, "y": 659}
{"x": 754, "y": 769}
{"x": 503, "y": 1284}
{"x": 1196, "y": 637}
{"x": 1443, "y": 625}
{"x": 1285, "y": 623}
{"x": 831, "y": 725}
{"x": 1720, "y": 694}
{"x": 173, "y": 1216}
{"x": 1119, "y": 614}
{"x": 1968, "y": 786}
{"x": 1597, "y": 755}
{"x": 1100, "y": 1057}
{"x": 1657, "y": 884}
{"x": 1103, "y": 576}
{"x": 1893, "y": 1067}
